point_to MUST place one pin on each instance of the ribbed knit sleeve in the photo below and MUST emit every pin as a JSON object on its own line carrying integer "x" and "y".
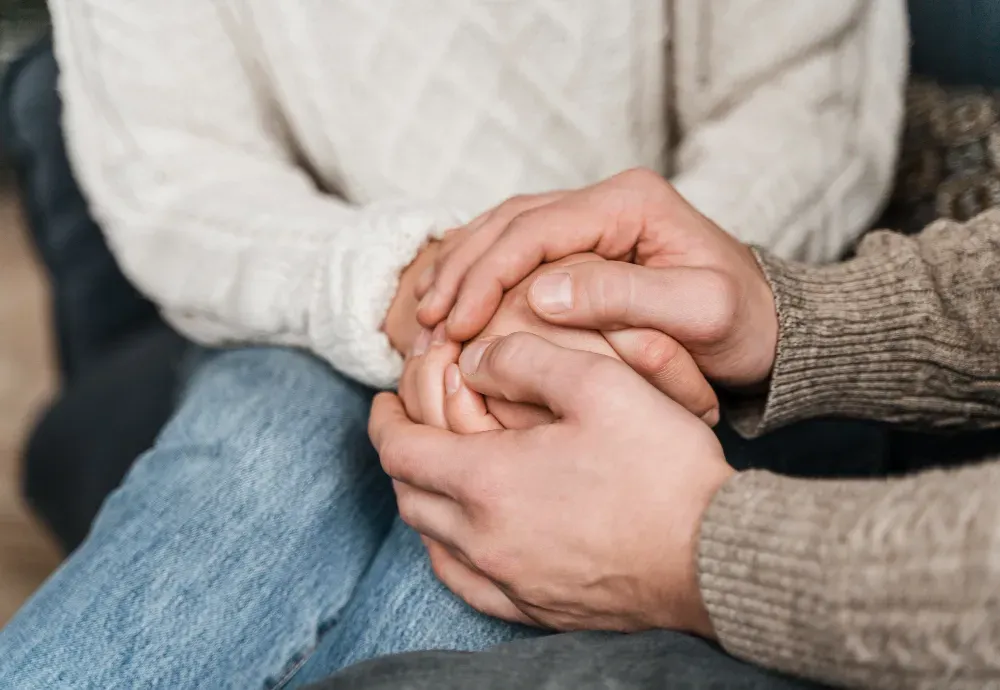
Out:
{"x": 908, "y": 332}
{"x": 878, "y": 583}
{"x": 863, "y": 584}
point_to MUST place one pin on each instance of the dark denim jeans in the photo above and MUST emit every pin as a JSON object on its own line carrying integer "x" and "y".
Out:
{"x": 576, "y": 661}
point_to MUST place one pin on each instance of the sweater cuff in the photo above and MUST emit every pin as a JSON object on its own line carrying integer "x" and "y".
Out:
{"x": 847, "y": 343}
{"x": 359, "y": 283}
{"x": 763, "y": 552}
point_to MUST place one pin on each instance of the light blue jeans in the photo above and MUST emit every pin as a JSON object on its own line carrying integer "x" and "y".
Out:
{"x": 256, "y": 545}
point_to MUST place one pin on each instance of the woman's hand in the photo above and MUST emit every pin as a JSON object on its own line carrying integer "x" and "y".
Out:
{"x": 401, "y": 325}
{"x": 421, "y": 387}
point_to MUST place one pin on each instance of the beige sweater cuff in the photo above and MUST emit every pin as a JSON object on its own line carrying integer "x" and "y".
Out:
{"x": 848, "y": 343}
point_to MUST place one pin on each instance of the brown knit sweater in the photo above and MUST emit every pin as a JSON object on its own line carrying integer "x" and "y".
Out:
{"x": 875, "y": 584}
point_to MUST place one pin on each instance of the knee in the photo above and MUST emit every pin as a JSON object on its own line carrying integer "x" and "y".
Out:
{"x": 269, "y": 398}
{"x": 270, "y": 422}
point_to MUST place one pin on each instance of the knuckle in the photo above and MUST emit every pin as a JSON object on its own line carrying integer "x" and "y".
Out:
{"x": 523, "y": 221}
{"x": 493, "y": 560}
{"x": 449, "y": 267}
{"x": 510, "y": 352}
{"x": 517, "y": 203}
{"x": 657, "y": 354}
{"x": 442, "y": 261}
{"x": 406, "y": 506}
{"x": 407, "y": 514}
{"x": 439, "y": 565}
{"x": 721, "y": 310}
{"x": 394, "y": 457}
{"x": 607, "y": 295}
{"x": 639, "y": 177}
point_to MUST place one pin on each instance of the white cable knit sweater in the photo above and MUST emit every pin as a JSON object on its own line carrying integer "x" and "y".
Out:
{"x": 264, "y": 169}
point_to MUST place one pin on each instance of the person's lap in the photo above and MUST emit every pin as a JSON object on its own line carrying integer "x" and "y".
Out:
{"x": 256, "y": 544}
{"x": 400, "y": 606}
{"x": 576, "y": 661}
{"x": 231, "y": 554}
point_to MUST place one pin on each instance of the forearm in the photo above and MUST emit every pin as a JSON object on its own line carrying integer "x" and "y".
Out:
{"x": 908, "y": 333}
{"x": 297, "y": 271}
{"x": 875, "y": 584}
{"x": 202, "y": 198}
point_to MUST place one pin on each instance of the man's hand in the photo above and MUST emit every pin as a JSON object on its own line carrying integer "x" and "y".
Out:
{"x": 463, "y": 248}
{"x": 723, "y": 317}
{"x": 422, "y": 386}
{"x": 708, "y": 294}
{"x": 589, "y": 522}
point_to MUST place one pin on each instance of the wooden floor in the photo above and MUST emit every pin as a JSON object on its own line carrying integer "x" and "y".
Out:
{"x": 27, "y": 379}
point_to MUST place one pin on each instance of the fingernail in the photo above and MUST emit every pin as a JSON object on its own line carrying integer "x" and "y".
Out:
{"x": 553, "y": 293}
{"x": 452, "y": 379}
{"x": 421, "y": 343}
{"x": 472, "y": 356}
{"x": 454, "y": 316}
{"x": 427, "y": 300}
{"x": 440, "y": 336}
{"x": 711, "y": 417}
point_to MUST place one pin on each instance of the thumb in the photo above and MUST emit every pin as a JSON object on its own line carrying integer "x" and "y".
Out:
{"x": 525, "y": 368}
{"x": 685, "y": 303}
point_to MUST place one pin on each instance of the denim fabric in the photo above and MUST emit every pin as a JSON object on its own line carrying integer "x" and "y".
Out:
{"x": 257, "y": 544}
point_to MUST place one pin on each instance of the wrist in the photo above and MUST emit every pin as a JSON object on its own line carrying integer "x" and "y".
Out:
{"x": 765, "y": 329}
{"x": 682, "y": 606}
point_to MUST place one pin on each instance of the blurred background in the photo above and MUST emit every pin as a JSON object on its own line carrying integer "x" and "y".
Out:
{"x": 27, "y": 371}
{"x": 131, "y": 356}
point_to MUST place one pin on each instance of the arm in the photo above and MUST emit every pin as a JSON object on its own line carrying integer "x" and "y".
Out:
{"x": 799, "y": 154}
{"x": 908, "y": 332}
{"x": 191, "y": 174}
{"x": 874, "y": 584}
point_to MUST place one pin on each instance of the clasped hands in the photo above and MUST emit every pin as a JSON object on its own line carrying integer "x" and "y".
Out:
{"x": 559, "y": 466}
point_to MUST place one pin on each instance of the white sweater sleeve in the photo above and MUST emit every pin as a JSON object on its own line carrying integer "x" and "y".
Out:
{"x": 800, "y": 154}
{"x": 189, "y": 173}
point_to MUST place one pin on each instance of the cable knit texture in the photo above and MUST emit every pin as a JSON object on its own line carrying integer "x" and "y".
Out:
{"x": 264, "y": 170}
{"x": 874, "y": 584}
